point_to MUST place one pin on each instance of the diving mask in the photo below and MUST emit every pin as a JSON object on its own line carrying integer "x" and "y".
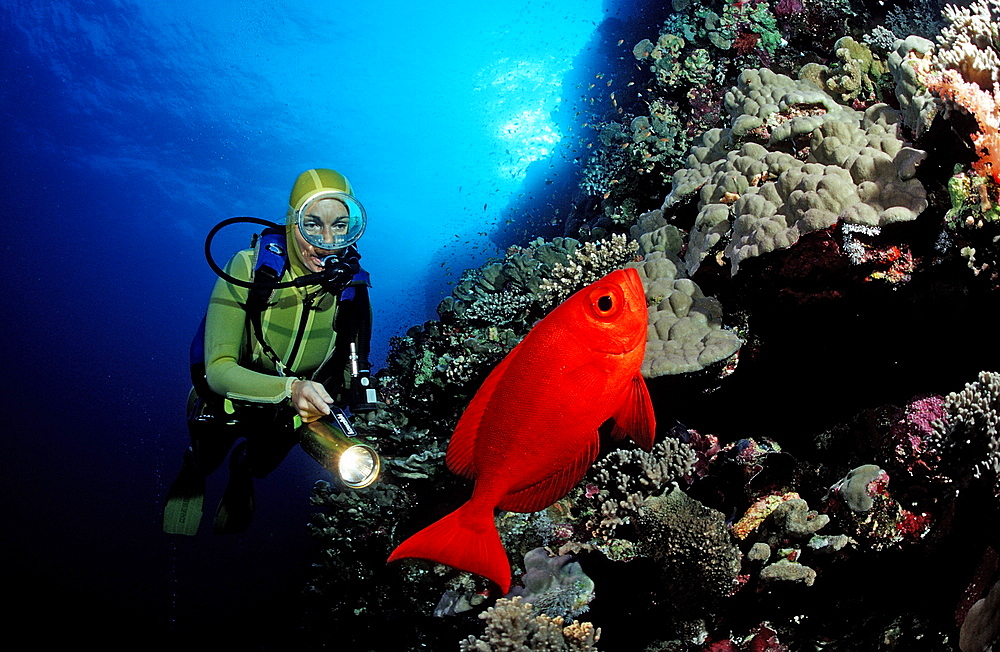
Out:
{"x": 331, "y": 220}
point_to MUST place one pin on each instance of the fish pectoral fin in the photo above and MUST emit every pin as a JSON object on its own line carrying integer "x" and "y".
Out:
{"x": 635, "y": 417}
{"x": 540, "y": 495}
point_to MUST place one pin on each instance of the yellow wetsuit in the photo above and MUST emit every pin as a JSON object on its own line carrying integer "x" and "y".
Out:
{"x": 297, "y": 325}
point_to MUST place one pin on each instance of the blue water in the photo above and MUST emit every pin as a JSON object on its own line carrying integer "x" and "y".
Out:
{"x": 129, "y": 129}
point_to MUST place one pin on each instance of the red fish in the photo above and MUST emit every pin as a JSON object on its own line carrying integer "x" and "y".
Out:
{"x": 530, "y": 432}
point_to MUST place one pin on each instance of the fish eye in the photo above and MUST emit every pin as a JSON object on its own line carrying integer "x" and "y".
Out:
{"x": 606, "y": 302}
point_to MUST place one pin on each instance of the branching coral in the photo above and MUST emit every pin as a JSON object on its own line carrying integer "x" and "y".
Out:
{"x": 971, "y": 429}
{"x": 969, "y": 42}
{"x": 964, "y": 71}
{"x": 623, "y": 479}
{"x": 511, "y": 626}
{"x": 439, "y": 365}
{"x": 950, "y": 85}
{"x": 586, "y": 264}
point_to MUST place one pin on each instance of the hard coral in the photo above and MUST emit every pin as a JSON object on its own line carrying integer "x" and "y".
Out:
{"x": 856, "y": 169}
{"x": 685, "y": 327}
{"x": 970, "y": 433}
{"x": 949, "y": 85}
{"x": 692, "y": 546}
{"x": 617, "y": 485}
{"x": 512, "y": 627}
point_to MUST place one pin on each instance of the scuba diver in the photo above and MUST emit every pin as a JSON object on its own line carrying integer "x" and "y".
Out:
{"x": 284, "y": 342}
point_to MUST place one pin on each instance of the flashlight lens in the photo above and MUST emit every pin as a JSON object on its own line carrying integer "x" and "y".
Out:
{"x": 358, "y": 466}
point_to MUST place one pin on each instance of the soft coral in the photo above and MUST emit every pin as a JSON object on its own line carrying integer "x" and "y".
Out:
{"x": 983, "y": 106}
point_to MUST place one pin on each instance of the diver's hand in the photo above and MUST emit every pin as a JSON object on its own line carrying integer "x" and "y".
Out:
{"x": 310, "y": 399}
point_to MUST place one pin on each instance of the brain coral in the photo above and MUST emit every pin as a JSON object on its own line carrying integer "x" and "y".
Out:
{"x": 685, "y": 327}
{"x": 793, "y": 161}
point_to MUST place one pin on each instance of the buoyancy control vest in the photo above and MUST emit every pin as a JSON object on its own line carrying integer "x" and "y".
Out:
{"x": 352, "y": 322}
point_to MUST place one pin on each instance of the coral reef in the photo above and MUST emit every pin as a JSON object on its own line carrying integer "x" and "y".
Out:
{"x": 692, "y": 547}
{"x": 554, "y": 585}
{"x": 970, "y": 429}
{"x": 511, "y": 626}
{"x": 793, "y": 161}
{"x": 856, "y": 80}
{"x": 821, "y": 271}
{"x": 617, "y": 486}
{"x": 686, "y": 331}
{"x": 439, "y": 365}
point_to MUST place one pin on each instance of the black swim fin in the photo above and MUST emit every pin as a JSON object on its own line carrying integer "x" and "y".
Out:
{"x": 185, "y": 500}
{"x": 235, "y": 511}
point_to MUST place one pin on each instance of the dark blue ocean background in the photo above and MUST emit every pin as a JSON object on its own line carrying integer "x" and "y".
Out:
{"x": 129, "y": 129}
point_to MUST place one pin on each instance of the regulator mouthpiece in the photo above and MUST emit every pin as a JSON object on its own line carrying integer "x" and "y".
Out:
{"x": 332, "y": 442}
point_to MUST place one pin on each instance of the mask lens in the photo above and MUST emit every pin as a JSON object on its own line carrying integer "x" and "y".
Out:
{"x": 332, "y": 220}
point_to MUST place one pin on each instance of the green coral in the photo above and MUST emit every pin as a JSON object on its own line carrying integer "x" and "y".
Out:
{"x": 674, "y": 65}
{"x": 752, "y": 17}
{"x": 859, "y": 75}
{"x": 973, "y": 201}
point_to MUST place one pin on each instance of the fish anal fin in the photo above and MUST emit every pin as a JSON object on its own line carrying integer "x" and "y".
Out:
{"x": 466, "y": 539}
{"x": 635, "y": 417}
{"x": 540, "y": 495}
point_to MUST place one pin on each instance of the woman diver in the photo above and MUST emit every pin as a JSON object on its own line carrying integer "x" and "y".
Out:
{"x": 287, "y": 324}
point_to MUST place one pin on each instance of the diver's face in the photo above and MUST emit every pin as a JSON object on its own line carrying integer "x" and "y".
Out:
{"x": 326, "y": 218}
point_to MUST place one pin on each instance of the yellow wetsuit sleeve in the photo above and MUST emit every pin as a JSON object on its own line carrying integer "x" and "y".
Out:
{"x": 225, "y": 330}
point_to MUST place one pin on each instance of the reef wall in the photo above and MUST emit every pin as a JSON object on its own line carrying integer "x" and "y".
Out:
{"x": 809, "y": 191}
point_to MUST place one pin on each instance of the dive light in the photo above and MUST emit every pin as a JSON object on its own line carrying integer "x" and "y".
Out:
{"x": 332, "y": 442}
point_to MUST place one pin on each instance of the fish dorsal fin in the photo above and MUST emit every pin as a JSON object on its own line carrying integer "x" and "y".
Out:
{"x": 634, "y": 417}
{"x": 547, "y": 491}
{"x": 461, "y": 458}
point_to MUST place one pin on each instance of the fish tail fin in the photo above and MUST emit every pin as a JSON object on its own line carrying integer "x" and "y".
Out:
{"x": 466, "y": 539}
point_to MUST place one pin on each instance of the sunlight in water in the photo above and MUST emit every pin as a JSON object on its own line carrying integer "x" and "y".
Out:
{"x": 518, "y": 99}
{"x": 528, "y": 136}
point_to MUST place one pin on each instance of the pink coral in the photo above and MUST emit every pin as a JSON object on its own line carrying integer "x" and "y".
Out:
{"x": 950, "y": 85}
{"x": 910, "y": 432}
{"x": 786, "y": 8}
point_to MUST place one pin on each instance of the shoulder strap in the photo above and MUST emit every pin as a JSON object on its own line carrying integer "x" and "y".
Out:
{"x": 270, "y": 264}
